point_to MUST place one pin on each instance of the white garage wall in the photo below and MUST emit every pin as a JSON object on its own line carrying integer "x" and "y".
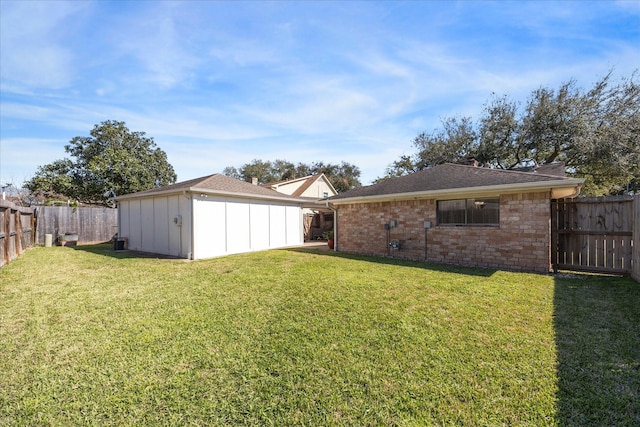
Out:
{"x": 179, "y": 235}
{"x": 278, "y": 226}
{"x": 238, "y": 227}
{"x": 209, "y": 219}
{"x": 124, "y": 225}
{"x": 221, "y": 225}
{"x": 224, "y": 226}
{"x": 259, "y": 218}
{"x": 135, "y": 237}
{"x": 147, "y": 213}
{"x": 161, "y": 225}
{"x": 149, "y": 226}
{"x": 294, "y": 225}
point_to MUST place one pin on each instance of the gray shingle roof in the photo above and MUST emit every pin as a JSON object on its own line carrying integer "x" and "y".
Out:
{"x": 448, "y": 176}
{"x": 216, "y": 183}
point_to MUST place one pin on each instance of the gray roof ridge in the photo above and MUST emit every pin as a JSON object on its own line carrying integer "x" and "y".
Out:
{"x": 558, "y": 177}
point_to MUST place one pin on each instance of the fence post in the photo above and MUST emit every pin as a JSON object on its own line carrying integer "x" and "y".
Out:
{"x": 13, "y": 239}
{"x": 7, "y": 235}
{"x": 635, "y": 268}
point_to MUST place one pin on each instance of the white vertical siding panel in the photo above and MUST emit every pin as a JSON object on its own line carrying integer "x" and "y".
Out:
{"x": 135, "y": 231}
{"x": 294, "y": 225}
{"x": 147, "y": 225}
{"x": 218, "y": 225}
{"x": 124, "y": 223}
{"x": 259, "y": 219}
{"x": 175, "y": 246}
{"x": 238, "y": 227}
{"x": 209, "y": 219}
{"x": 161, "y": 224}
{"x": 186, "y": 231}
{"x": 277, "y": 226}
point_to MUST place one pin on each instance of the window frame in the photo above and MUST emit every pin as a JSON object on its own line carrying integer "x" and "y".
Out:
{"x": 469, "y": 205}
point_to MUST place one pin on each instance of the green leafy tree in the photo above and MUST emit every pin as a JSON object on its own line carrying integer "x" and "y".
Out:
{"x": 52, "y": 181}
{"x": 595, "y": 133}
{"x": 343, "y": 176}
{"x": 112, "y": 160}
{"x": 500, "y": 144}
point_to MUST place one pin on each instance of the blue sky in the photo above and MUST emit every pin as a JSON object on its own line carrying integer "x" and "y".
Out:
{"x": 222, "y": 83}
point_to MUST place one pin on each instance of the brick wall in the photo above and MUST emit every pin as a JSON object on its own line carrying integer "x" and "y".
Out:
{"x": 521, "y": 241}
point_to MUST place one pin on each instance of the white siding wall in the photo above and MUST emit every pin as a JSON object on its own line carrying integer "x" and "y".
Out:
{"x": 221, "y": 225}
{"x": 224, "y": 225}
{"x": 259, "y": 218}
{"x": 317, "y": 190}
{"x": 147, "y": 212}
{"x": 161, "y": 225}
{"x": 238, "y": 227}
{"x": 135, "y": 240}
{"x": 124, "y": 224}
{"x": 278, "y": 226}
{"x": 149, "y": 225}
{"x": 294, "y": 225}
{"x": 209, "y": 218}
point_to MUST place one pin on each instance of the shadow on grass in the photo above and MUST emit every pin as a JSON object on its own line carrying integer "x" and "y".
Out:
{"x": 445, "y": 268}
{"x": 106, "y": 249}
{"x": 597, "y": 326}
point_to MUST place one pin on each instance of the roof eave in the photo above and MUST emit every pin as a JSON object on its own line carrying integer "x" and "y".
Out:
{"x": 209, "y": 192}
{"x": 141, "y": 195}
{"x": 572, "y": 184}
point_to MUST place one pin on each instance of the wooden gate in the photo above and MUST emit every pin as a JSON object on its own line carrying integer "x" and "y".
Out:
{"x": 592, "y": 234}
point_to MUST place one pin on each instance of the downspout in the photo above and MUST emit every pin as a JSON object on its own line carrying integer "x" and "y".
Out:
{"x": 335, "y": 225}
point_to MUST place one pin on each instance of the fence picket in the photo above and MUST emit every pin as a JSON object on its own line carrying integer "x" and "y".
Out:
{"x": 16, "y": 231}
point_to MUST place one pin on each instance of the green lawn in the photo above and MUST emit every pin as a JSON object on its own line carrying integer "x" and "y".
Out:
{"x": 89, "y": 336}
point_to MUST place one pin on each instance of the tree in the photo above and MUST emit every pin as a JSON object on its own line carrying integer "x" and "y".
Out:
{"x": 112, "y": 160}
{"x": 596, "y": 134}
{"x": 343, "y": 176}
{"x": 500, "y": 145}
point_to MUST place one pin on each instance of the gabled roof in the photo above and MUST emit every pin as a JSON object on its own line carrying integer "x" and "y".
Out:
{"x": 454, "y": 179}
{"x": 308, "y": 182}
{"x": 216, "y": 184}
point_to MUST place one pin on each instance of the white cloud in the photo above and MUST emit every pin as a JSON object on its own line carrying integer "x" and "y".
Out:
{"x": 221, "y": 83}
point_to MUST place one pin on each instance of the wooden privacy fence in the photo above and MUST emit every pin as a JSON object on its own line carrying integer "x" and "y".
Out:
{"x": 594, "y": 234}
{"x": 92, "y": 225}
{"x": 635, "y": 267}
{"x": 17, "y": 231}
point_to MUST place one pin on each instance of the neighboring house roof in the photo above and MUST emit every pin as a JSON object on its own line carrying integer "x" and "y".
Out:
{"x": 451, "y": 180}
{"x": 298, "y": 186}
{"x": 215, "y": 184}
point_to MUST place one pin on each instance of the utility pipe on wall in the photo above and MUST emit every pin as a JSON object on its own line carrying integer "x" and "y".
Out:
{"x": 427, "y": 226}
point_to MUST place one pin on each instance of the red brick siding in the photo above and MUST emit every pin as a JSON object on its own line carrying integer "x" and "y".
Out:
{"x": 520, "y": 242}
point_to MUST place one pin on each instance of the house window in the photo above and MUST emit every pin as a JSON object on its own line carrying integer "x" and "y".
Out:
{"x": 469, "y": 212}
